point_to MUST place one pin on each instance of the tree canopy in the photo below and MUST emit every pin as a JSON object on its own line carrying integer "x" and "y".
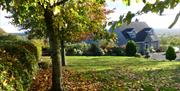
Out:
{"x": 56, "y": 19}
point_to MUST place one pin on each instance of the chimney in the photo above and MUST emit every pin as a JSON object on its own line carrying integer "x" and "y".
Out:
{"x": 136, "y": 20}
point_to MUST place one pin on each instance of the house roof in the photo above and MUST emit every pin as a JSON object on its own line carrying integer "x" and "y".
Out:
{"x": 142, "y": 35}
{"x": 138, "y": 26}
{"x": 125, "y": 33}
{"x": 137, "y": 31}
{"x": 121, "y": 39}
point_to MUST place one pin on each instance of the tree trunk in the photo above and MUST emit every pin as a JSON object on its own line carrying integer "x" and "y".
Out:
{"x": 54, "y": 51}
{"x": 63, "y": 53}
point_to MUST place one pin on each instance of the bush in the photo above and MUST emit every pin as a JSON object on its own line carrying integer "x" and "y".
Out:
{"x": 116, "y": 51}
{"x": 43, "y": 65}
{"x": 18, "y": 65}
{"x": 162, "y": 48}
{"x": 170, "y": 53}
{"x": 10, "y": 37}
{"x": 107, "y": 44}
{"x": 131, "y": 48}
{"x": 38, "y": 44}
{"x": 95, "y": 50}
{"x": 77, "y": 49}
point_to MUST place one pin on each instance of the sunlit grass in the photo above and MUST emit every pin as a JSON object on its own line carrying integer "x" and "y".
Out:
{"x": 135, "y": 73}
{"x": 106, "y": 62}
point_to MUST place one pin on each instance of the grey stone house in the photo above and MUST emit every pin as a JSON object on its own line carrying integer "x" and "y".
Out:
{"x": 141, "y": 33}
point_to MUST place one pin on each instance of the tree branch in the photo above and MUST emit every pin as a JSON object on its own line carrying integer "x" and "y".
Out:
{"x": 175, "y": 20}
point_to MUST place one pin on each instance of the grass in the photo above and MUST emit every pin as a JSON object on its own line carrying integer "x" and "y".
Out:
{"x": 109, "y": 73}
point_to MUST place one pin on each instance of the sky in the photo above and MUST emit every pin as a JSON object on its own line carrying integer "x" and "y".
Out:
{"x": 153, "y": 20}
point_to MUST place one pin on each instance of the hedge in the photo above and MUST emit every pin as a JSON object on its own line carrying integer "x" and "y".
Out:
{"x": 18, "y": 64}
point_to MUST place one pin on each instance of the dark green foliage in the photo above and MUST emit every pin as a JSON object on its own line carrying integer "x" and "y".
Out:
{"x": 43, "y": 65}
{"x": 170, "y": 53}
{"x": 10, "y": 37}
{"x": 95, "y": 50}
{"x": 46, "y": 51}
{"x": 116, "y": 51}
{"x": 18, "y": 64}
{"x": 131, "y": 48}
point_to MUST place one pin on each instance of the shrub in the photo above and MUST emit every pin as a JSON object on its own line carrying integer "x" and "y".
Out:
{"x": 77, "y": 49}
{"x": 107, "y": 44}
{"x": 38, "y": 44}
{"x": 162, "y": 48}
{"x": 10, "y": 37}
{"x": 95, "y": 50}
{"x": 43, "y": 65}
{"x": 170, "y": 53}
{"x": 18, "y": 65}
{"x": 116, "y": 51}
{"x": 131, "y": 48}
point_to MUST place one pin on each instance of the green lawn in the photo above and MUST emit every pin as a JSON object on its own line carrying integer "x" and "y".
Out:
{"x": 120, "y": 74}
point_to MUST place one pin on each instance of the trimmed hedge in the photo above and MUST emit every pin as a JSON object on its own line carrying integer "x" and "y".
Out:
{"x": 18, "y": 64}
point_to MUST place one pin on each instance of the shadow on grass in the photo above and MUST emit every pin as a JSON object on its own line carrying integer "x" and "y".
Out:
{"x": 122, "y": 78}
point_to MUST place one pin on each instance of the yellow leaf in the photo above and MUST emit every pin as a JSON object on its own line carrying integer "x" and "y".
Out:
{"x": 5, "y": 83}
{"x": 57, "y": 10}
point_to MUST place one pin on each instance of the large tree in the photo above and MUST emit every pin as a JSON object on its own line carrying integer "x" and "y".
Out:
{"x": 82, "y": 18}
{"x": 58, "y": 20}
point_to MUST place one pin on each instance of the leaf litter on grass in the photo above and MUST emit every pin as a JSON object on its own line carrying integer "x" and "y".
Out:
{"x": 121, "y": 77}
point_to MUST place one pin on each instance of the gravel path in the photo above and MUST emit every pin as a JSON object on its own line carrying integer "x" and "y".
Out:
{"x": 161, "y": 56}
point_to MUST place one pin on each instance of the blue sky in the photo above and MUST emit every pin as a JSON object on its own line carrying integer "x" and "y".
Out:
{"x": 153, "y": 20}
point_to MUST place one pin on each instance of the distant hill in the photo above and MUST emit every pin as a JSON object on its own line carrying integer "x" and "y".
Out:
{"x": 21, "y": 34}
{"x": 167, "y": 32}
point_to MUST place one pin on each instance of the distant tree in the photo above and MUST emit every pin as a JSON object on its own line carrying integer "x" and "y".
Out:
{"x": 131, "y": 48}
{"x": 170, "y": 53}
